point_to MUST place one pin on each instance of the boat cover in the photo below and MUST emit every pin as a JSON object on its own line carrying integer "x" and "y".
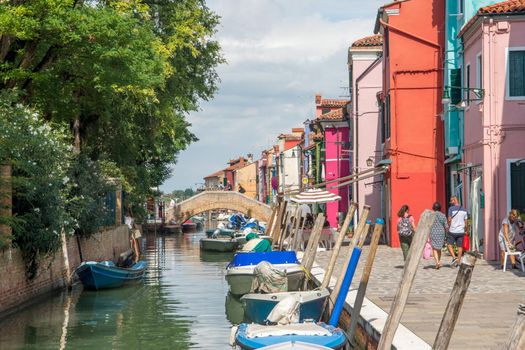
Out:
{"x": 268, "y": 279}
{"x": 295, "y": 345}
{"x": 286, "y": 311}
{"x": 253, "y": 258}
{"x": 311, "y": 329}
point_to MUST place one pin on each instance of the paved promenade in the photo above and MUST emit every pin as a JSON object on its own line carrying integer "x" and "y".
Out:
{"x": 488, "y": 312}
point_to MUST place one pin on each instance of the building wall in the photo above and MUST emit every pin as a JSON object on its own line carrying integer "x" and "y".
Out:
{"x": 494, "y": 127}
{"x": 291, "y": 159}
{"x": 414, "y": 85}
{"x": 367, "y": 140}
{"x": 16, "y": 290}
{"x": 336, "y": 165}
{"x": 247, "y": 177}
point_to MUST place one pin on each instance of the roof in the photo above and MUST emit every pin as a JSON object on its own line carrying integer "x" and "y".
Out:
{"x": 508, "y": 7}
{"x": 369, "y": 41}
{"x": 215, "y": 174}
{"x": 329, "y": 102}
{"x": 336, "y": 114}
{"x": 235, "y": 166}
{"x": 290, "y": 136}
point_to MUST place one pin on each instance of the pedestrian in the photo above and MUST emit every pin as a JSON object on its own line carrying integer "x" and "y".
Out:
{"x": 241, "y": 189}
{"x": 405, "y": 228}
{"x": 507, "y": 234}
{"x": 457, "y": 229}
{"x": 438, "y": 232}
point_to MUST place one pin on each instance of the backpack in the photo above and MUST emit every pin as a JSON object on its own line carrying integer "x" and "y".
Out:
{"x": 404, "y": 227}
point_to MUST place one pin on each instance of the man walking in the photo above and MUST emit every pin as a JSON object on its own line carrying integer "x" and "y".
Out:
{"x": 458, "y": 227}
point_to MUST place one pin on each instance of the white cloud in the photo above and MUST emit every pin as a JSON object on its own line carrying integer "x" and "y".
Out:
{"x": 280, "y": 53}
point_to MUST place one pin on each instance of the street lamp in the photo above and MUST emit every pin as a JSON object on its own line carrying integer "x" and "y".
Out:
{"x": 369, "y": 162}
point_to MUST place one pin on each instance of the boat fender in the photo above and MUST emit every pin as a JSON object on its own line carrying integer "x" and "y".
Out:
{"x": 233, "y": 333}
{"x": 285, "y": 312}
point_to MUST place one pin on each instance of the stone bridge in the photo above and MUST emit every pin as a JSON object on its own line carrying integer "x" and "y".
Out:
{"x": 213, "y": 200}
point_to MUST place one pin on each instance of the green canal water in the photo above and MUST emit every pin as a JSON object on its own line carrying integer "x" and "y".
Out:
{"x": 182, "y": 304}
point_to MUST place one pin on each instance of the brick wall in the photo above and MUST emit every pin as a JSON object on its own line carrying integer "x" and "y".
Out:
{"x": 16, "y": 291}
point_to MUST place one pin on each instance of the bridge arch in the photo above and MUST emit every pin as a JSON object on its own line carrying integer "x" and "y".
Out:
{"x": 214, "y": 200}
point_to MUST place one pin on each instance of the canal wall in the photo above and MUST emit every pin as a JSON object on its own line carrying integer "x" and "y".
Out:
{"x": 16, "y": 291}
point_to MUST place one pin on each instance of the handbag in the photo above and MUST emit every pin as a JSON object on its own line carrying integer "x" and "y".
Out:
{"x": 466, "y": 242}
{"x": 427, "y": 252}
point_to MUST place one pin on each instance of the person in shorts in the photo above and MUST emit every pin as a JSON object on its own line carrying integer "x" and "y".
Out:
{"x": 457, "y": 228}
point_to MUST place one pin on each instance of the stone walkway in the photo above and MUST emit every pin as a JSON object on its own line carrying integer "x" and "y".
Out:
{"x": 488, "y": 312}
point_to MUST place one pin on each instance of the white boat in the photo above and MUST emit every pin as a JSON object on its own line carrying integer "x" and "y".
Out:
{"x": 240, "y": 278}
{"x": 218, "y": 244}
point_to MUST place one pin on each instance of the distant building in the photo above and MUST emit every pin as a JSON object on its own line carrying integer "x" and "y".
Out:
{"x": 214, "y": 181}
{"x": 247, "y": 178}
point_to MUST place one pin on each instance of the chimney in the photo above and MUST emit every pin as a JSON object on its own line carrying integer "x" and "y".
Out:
{"x": 318, "y": 99}
{"x": 250, "y": 158}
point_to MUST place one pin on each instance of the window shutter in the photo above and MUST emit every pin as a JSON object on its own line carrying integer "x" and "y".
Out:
{"x": 516, "y": 73}
{"x": 455, "y": 82}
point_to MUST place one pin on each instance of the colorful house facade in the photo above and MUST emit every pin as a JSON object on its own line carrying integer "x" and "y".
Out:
{"x": 494, "y": 150}
{"x": 366, "y": 69}
{"x": 333, "y": 119}
{"x": 412, "y": 137}
{"x": 247, "y": 178}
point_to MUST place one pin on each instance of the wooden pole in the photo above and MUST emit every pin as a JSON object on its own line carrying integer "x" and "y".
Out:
{"x": 516, "y": 339}
{"x": 277, "y": 229}
{"x": 295, "y": 229}
{"x": 414, "y": 255}
{"x": 356, "y": 310}
{"x": 338, "y": 244}
{"x": 354, "y": 242}
{"x": 316, "y": 230}
{"x": 271, "y": 221}
{"x": 450, "y": 317}
{"x": 288, "y": 233}
{"x": 282, "y": 229}
{"x": 6, "y": 201}
{"x": 314, "y": 239}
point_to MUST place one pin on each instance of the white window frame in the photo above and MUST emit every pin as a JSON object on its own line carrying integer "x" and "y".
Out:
{"x": 507, "y": 74}
{"x": 507, "y": 169}
{"x": 479, "y": 74}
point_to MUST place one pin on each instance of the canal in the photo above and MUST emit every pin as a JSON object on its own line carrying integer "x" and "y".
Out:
{"x": 182, "y": 304}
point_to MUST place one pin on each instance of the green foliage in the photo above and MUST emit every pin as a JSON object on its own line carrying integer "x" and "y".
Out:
{"x": 181, "y": 195}
{"x": 39, "y": 156}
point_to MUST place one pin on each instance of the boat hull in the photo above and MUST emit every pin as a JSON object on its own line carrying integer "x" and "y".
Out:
{"x": 240, "y": 278}
{"x": 218, "y": 245}
{"x": 257, "y": 307}
{"x": 95, "y": 275}
{"x": 320, "y": 335}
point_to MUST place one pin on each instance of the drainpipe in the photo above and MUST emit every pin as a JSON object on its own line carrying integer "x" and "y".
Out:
{"x": 492, "y": 141}
{"x": 317, "y": 162}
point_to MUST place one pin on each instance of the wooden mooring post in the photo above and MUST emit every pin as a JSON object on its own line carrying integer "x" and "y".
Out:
{"x": 516, "y": 339}
{"x": 356, "y": 311}
{"x": 401, "y": 297}
{"x": 353, "y": 243}
{"x": 338, "y": 244}
{"x": 313, "y": 241}
{"x": 455, "y": 302}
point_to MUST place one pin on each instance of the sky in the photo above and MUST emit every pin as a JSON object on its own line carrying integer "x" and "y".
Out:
{"x": 279, "y": 54}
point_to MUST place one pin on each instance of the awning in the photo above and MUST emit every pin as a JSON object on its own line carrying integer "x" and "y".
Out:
{"x": 362, "y": 176}
{"x": 315, "y": 196}
{"x": 453, "y": 159}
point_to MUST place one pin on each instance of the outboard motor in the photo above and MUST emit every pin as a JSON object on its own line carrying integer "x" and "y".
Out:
{"x": 126, "y": 259}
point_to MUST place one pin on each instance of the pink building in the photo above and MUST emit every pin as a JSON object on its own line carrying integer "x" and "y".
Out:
{"x": 494, "y": 166}
{"x": 366, "y": 69}
{"x": 333, "y": 119}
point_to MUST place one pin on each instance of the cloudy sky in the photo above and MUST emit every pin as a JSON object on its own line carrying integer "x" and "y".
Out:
{"x": 280, "y": 53}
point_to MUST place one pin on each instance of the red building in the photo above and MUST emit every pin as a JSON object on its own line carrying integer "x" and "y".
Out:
{"x": 229, "y": 172}
{"x": 412, "y": 131}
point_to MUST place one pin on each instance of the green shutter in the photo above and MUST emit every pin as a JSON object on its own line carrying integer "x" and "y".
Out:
{"x": 516, "y": 73}
{"x": 455, "y": 83}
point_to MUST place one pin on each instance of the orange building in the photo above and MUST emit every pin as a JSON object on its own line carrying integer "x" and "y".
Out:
{"x": 412, "y": 130}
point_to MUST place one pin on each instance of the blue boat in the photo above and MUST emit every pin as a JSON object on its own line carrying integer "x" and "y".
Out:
{"x": 257, "y": 306}
{"x": 101, "y": 275}
{"x": 254, "y": 336}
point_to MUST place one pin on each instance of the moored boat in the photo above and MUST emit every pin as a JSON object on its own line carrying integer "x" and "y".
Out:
{"x": 189, "y": 227}
{"x": 319, "y": 335}
{"x": 105, "y": 274}
{"x": 218, "y": 244}
{"x": 257, "y": 307}
{"x": 294, "y": 345}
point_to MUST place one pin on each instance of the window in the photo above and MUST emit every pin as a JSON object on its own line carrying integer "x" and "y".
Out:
{"x": 387, "y": 117}
{"x": 516, "y": 73}
{"x": 461, "y": 6}
{"x": 517, "y": 185}
{"x": 455, "y": 83}
{"x": 467, "y": 83}
{"x": 479, "y": 71}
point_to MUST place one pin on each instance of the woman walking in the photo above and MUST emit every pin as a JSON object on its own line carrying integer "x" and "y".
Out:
{"x": 437, "y": 233}
{"x": 405, "y": 228}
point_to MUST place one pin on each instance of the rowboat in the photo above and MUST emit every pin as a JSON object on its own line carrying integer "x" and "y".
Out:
{"x": 105, "y": 274}
{"x": 218, "y": 244}
{"x": 257, "y": 307}
{"x": 317, "y": 335}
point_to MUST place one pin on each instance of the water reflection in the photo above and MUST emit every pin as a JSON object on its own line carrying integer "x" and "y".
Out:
{"x": 234, "y": 309}
{"x": 180, "y": 305}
